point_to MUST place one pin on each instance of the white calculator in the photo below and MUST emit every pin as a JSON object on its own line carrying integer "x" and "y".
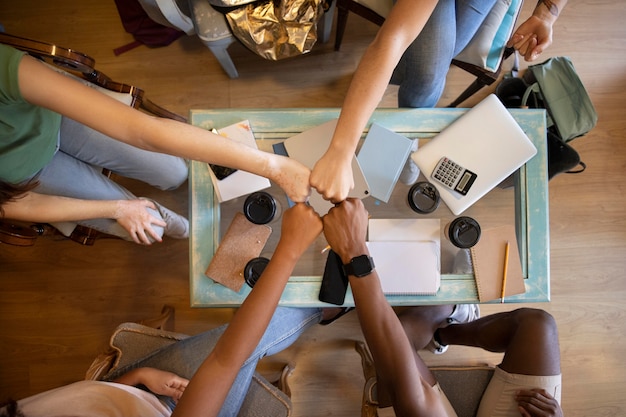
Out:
{"x": 453, "y": 176}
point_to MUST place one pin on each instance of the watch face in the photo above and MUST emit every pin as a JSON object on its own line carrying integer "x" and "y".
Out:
{"x": 361, "y": 265}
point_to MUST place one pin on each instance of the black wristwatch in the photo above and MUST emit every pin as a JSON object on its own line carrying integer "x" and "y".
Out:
{"x": 359, "y": 266}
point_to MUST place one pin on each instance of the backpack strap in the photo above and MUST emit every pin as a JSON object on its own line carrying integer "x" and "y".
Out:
{"x": 533, "y": 99}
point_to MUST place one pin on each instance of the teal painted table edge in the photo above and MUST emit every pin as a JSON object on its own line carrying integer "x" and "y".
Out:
{"x": 532, "y": 216}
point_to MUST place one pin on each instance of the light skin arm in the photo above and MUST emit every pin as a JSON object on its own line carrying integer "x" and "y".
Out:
{"x": 44, "y": 87}
{"x": 332, "y": 175}
{"x": 157, "y": 381}
{"x": 130, "y": 214}
{"x": 210, "y": 385}
{"x": 406, "y": 378}
{"x": 535, "y": 35}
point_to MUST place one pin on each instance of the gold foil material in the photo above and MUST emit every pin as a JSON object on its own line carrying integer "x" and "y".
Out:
{"x": 277, "y": 29}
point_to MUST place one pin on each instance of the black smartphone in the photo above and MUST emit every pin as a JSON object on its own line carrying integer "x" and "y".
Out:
{"x": 221, "y": 172}
{"x": 334, "y": 281}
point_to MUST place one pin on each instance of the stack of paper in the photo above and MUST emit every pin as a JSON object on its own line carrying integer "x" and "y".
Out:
{"x": 406, "y": 254}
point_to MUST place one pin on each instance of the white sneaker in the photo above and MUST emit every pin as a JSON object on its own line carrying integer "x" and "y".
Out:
{"x": 410, "y": 172}
{"x": 462, "y": 313}
{"x": 176, "y": 226}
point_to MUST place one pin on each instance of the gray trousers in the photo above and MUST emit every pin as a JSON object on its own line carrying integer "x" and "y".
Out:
{"x": 76, "y": 171}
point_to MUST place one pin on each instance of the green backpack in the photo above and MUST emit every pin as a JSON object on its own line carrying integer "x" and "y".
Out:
{"x": 554, "y": 86}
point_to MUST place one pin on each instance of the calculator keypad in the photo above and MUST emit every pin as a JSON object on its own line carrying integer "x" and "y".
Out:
{"x": 448, "y": 172}
{"x": 454, "y": 176}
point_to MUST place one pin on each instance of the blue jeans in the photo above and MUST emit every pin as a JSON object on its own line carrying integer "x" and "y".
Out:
{"x": 184, "y": 357}
{"x": 421, "y": 73}
{"x": 76, "y": 171}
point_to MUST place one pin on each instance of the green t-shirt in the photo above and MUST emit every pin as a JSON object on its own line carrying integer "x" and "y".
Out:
{"x": 28, "y": 133}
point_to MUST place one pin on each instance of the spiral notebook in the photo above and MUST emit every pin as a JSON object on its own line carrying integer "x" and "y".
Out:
{"x": 488, "y": 262}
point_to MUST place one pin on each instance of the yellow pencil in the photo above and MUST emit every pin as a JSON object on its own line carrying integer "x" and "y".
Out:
{"x": 504, "y": 272}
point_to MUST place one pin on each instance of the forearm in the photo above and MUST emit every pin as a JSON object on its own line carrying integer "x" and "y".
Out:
{"x": 44, "y": 208}
{"x": 380, "y": 325}
{"x": 131, "y": 126}
{"x": 401, "y": 27}
{"x": 210, "y": 385}
{"x": 367, "y": 87}
{"x": 132, "y": 377}
{"x": 199, "y": 144}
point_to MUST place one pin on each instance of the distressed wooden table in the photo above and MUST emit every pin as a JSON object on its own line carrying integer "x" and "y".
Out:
{"x": 525, "y": 205}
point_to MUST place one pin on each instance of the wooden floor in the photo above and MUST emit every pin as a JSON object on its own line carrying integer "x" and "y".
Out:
{"x": 59, "y": 301}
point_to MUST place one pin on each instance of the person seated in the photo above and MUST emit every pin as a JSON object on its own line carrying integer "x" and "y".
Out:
{"x": 527, "y": 381}
{"x": 414, "y": 48}
{"x": 56, "y": 135}
{"x": 207, "y": 374}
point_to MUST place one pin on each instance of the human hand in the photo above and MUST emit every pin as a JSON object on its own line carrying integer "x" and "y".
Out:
{"x": 157, "y": 381}
{"x": 292, "y": 177}
{"x": 537, "y": 403}
{"x": 532, "y": 37}
{"x": 133, "y": 216}
{"x": 332, "y": 177}
{"x": 345, "y": 228}
{"x": 300, "y": 226}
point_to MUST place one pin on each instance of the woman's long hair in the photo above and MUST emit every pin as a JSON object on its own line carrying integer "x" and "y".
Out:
{"x": 9, "y": 409}
{"x": 11, "y": 192}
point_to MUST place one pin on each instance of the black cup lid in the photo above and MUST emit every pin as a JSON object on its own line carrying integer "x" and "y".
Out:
{"x": 253, "y": 270}
{"x": 423, "y": 197}
{"x": 464, "y": 232}
{"x": 259, "y": 207}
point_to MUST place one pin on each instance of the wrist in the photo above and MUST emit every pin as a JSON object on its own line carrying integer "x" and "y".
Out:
{"x": 131, "y": 378}
{"x": 347, "y": 254}
{"x": 546, "y": 10}
{"x": 359, "y": 266}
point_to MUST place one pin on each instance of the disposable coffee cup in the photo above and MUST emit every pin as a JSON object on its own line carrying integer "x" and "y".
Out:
{"x": 253, "y": 270}
{"x": 463, "y": 232}
{"x": 423, "y": 197}
{"x": 259, "y": 207}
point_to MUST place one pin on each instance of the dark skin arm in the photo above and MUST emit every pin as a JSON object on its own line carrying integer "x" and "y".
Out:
{"x": 407, "y": 378}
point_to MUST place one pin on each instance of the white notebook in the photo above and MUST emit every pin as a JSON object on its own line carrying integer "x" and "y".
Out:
{"x": 487, "y": 141}
{"x": 406, "y": 255}
{"x": 240, "y": 182}
{"x": 407, "y": 268}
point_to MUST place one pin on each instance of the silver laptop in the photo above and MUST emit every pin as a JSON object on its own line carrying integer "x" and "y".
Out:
{"x": 477, "y": 151}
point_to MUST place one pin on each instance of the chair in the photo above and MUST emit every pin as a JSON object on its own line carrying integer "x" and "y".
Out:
{"x": 483, "y": 56}
{"x": 81, "y": 67}
{"x": 210, "y": 25}
{"x": 132, "y": 341}
{"x": 463, "y": 385}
